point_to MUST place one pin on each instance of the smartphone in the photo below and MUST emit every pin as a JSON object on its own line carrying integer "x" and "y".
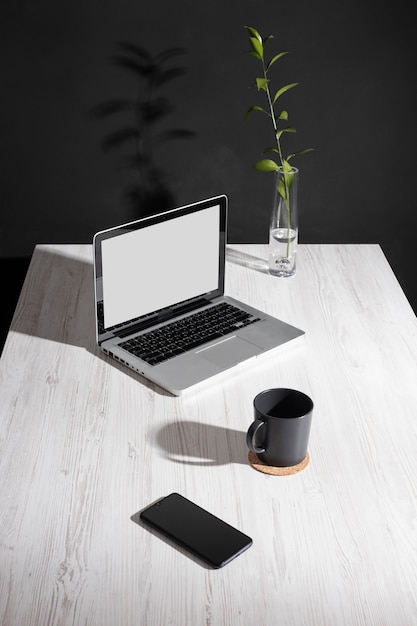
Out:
{"x": 205, "y": 535}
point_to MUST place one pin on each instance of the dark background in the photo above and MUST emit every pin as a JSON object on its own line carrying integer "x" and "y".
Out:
{"x": 356, "y": 104}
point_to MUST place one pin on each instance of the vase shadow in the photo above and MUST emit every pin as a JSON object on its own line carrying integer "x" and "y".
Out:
{"x": 246, "y": 260}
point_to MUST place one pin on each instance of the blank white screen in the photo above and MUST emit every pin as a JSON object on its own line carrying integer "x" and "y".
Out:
{"x": 158, "y": 266}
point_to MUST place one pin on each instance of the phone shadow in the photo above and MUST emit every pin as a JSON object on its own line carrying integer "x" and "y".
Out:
{"x": 203, "y": 445}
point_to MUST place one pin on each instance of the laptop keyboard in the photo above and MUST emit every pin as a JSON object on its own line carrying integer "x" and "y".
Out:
{"x": 185, "y": 334}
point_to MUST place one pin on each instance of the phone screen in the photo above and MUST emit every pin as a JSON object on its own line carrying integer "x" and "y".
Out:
{"x": 194, "y": 528}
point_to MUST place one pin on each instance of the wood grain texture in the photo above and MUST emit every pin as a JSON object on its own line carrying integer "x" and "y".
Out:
{"x": 85, "y": 444}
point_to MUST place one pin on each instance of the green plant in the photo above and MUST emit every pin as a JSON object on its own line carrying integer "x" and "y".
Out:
{"x": 258, "y": 44}
{"x": 279, "y": 121}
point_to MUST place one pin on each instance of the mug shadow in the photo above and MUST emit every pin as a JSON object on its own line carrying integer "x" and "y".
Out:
{"x": 202, "y": 445}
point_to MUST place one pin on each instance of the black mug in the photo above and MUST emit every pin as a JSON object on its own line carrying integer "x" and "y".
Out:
{"x": 279, "y": 435}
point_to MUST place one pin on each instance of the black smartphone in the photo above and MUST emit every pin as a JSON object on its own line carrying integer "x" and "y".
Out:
{"x": 205, "y": 535}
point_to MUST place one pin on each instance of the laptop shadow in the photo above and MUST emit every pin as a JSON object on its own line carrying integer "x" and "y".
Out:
{"x": 57, "y": 299}
{"x": 202, "y": 445}
{"x": 57, "y": 304}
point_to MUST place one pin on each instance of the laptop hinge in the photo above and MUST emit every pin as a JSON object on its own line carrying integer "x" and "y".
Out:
{"x": 129, "y": 330}
{"x": 184, "y": 307}
{"x": 163, "y": 316}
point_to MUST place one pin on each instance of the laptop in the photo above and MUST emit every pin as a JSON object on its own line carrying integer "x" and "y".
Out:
{"x": 160, "y": 303}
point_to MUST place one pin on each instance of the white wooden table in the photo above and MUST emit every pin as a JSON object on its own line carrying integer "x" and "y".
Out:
{"x": 85, "y": 444}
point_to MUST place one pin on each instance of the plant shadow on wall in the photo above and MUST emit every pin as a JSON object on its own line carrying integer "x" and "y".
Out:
{"x": 141, "y": 133}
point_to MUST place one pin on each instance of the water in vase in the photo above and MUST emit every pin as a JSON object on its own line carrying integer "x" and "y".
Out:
{"x": 282, "y": 251}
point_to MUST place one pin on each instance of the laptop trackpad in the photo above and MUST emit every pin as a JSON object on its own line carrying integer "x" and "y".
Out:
{"x": 230, "y": 352}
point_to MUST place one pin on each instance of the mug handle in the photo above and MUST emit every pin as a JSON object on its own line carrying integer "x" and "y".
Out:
{"x": 251, "y": 436}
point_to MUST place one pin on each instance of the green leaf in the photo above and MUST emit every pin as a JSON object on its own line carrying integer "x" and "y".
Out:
{"x": 257, "y": 46}
{"x": 283, "y": 90}
{"x": 281, "y": 189}
{"x": 283, "y": 116}
{"x": 275, "y": 58}
{"x": 254, "y": 33}
{"x": 262, "y": 83}
{"x": 286, "y": 167}
{"x": 266, "y": 165}
{"x": 272, "y": 149}
{"x": 287, "y": 129}
{"x": 286, "y": 180}
{"x": 290, "y": 156}
{"x": 255, "y": 108}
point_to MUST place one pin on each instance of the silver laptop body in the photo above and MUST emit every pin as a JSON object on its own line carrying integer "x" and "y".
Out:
{"x": 168, "y": 267}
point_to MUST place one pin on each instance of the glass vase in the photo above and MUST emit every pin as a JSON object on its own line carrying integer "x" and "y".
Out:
{"x": 283, "y": 230}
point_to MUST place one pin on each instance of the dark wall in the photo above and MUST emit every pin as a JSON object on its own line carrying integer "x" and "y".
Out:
{"x": 355, "y": 104}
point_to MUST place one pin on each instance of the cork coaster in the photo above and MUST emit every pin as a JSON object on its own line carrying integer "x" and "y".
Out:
{"x": 277, "y": 471}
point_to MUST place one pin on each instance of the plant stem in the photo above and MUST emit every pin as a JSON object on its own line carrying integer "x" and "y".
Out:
{"x": 272, "y": 113}
{"x": 289, "y": 228}
{"x": 287, "y": 190}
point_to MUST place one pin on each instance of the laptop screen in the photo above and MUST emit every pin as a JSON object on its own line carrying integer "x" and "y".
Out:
{"x": 160, "y": 262}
